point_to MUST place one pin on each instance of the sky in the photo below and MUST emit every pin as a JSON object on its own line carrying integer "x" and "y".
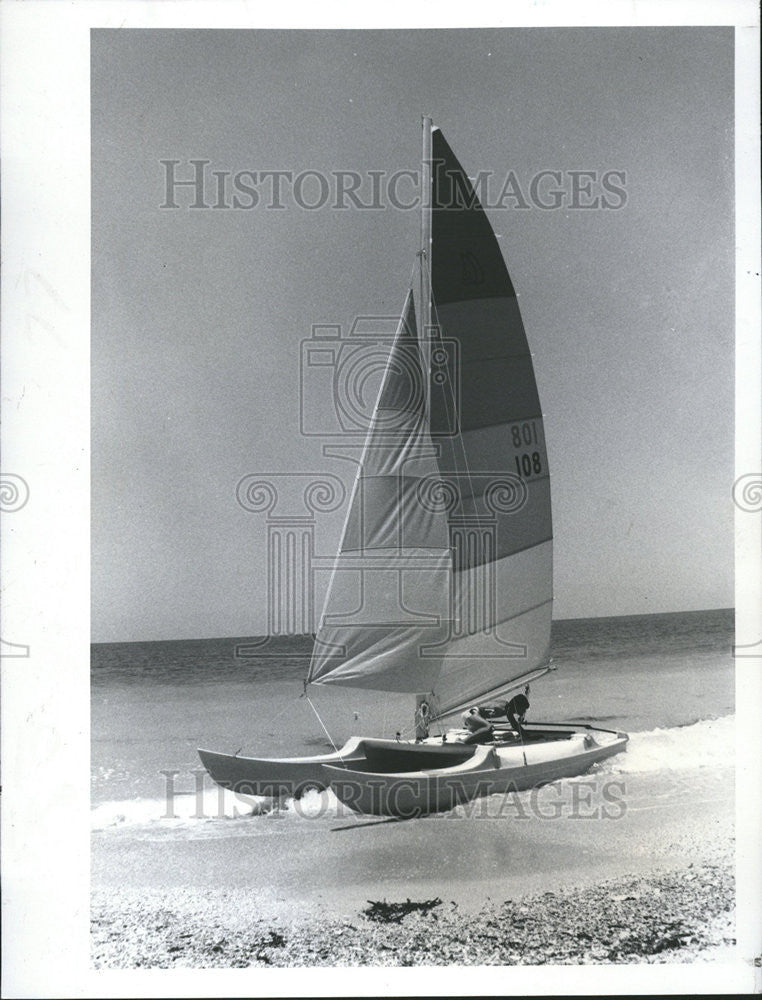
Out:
{"x": 198, "y": 316}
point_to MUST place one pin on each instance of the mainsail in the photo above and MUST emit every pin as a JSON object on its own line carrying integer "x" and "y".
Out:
{"x": 495, "y": 458}
{"x": 443, "y": 580}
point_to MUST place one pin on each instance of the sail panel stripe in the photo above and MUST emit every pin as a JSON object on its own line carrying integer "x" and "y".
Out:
{"x": 484, "y": 391}
{"x": 388, "y": 513}
{"x": 481, "y": 328}
{"x": 479, "y": 664}
{"x": 495, "y": 587}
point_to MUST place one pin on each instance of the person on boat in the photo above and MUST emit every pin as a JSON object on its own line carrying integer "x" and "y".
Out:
{"x": 513, "y": 710}
{"x": 516, "y": 710}
{"x": 479, "y": 730}
{"x": 422, "y": 719}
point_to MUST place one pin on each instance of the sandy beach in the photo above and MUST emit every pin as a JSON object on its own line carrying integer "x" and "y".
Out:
{"x": 681, "y": 915}
{"x": 654, "y": 882}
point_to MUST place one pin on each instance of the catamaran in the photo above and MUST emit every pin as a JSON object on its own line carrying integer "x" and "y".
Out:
{"x": 442, "y": 584}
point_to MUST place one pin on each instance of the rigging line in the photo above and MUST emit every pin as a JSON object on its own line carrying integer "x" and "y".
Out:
{"x": 288, "y": 707}
{"x": 523, "y": 751}
{"x": 317, "y": 714}
{"x": 406, "y": 732}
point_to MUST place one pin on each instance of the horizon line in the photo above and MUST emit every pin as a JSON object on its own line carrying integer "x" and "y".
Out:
{"x": 304, "y": 635}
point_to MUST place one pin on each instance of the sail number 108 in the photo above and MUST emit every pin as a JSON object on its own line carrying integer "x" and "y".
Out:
{"x": 526, "y": 435}
{"x": 529, "y": 464}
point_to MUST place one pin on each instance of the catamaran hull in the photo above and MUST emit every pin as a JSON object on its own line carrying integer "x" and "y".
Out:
{"x": 276, "y": 776}
{"x": 416, "y": 793}
{"x": 292, "y": 776}
{"x": 383, "y": 777}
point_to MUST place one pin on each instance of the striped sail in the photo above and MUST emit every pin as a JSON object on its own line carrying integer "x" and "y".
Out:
{"x": 388, "y": 598}
{"x": 443, "y": 581}
{"x": 487, "y": 423}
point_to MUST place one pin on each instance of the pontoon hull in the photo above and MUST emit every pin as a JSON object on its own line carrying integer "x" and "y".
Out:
{"x": 277, "y": 776}
{"x": 489, "y": 770}
{"x": 395, "y": 778}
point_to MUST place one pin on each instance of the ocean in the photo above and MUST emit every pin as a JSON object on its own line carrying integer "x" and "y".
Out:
{"x": 154, "y": 703}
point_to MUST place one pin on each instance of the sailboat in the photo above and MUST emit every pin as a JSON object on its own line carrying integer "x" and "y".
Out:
{"x": 442, "y": 584}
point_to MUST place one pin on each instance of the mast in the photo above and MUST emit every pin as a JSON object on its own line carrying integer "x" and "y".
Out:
{"x": 425, "y": 251}
{"x": 422, "y": 707}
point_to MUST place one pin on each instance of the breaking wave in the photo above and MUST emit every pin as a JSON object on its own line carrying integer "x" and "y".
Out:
{"x": 709, "y": 743}
{"x": 215, "y": 806}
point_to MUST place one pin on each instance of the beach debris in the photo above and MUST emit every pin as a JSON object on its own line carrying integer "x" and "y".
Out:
{"x": 623, "y": 920}
{"x": 385, "y": 912}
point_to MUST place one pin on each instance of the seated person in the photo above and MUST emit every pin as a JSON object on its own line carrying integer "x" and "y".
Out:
{"x": 479, "y": 730}
{"x": 514, "y": 710}
{"x": 422, "y": 718}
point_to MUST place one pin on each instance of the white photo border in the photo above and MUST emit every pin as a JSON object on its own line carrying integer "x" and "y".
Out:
{"x": 45, "y": 440}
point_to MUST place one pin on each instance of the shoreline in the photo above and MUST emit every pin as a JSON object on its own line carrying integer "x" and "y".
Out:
{"x": 683, "y": 914}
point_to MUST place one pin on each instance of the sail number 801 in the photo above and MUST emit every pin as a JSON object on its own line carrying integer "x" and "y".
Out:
{"x": 524, "y": 435}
